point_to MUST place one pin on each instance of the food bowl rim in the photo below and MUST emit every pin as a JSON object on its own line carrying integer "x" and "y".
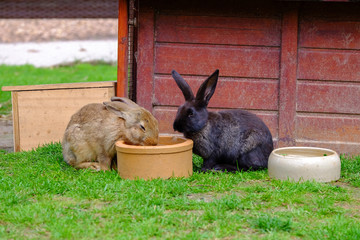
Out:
{"x": 333, "y": 153}
{"x": 186, "y": 145}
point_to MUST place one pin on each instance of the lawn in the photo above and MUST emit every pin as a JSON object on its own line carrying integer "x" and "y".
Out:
{"x": 30, "y": 75}
{"x": 41, "y": 197}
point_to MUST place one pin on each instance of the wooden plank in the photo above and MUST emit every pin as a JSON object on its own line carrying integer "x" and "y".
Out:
{"x": 326, "y": 128}
{"x": 15, "y": 116}
{"x": 330, "y": 97}
{"x": 230, "y": 92}
{"x": 218, "y": 30}
{"x": 106, "y": 84}
{"x": 254, "y": 62}
{"x": 218, "y": 8}
{"x": 166, "y": 117}
{"x": 329, "y": 41}
{"x": 324, "y": 64}
{"x": 122, "y": 63}
{"x": 145, "y": 59}
{"x": 288, "y": 78}
{"x": 348, "y": 148}
{"x": 323, "y": 33}
{"x": 44, "y": 114}
{"x": 331, "y": 11}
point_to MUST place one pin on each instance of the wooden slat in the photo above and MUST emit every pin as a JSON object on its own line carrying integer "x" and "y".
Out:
{"x": 331, "y": 11}
{"x": 166, "y": 117}
{"x": 218, "y": 30}
{"x": 287, "y": 96}
{"x": 328, "y": 128}
{"x": 323, "y": 33}
{"x": 328, "y": 97}
{"x": 145, "y": 59}
{"x": 211, "y": 8}
{"x": 329, "y": 43}
{"x": 254, "y": 62}
{"x": 348, "y": 148}
{"x": 321, "y": 64}
{"x": 122, "y": 63}
{"x": 60, "y": 86}
{"x": 15, "y": 116}
{"x": 230, "y": 92}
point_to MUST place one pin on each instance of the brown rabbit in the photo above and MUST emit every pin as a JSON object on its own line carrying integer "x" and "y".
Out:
{"x": 89, "y": 139}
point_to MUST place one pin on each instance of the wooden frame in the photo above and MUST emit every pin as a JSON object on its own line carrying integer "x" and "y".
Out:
{"x": 288, "y": 77}
{"x": 122, "y": 65}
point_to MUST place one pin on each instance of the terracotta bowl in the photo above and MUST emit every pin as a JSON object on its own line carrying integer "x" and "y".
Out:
{"x": 304, "y": 163}
{"x": 172, "y": 157}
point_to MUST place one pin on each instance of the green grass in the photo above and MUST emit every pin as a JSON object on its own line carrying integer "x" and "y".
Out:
{"x": 41, "y": 197}
{"x": 30, "y": 75}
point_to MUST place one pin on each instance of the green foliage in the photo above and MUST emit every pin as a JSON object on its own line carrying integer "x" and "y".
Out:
{"x": 30, "y": 75}
{"x": 351, "y": 169}
{"x": 197, "y": 162}
{"x": 267, "y": 223}
{"x": 41, "y": 197}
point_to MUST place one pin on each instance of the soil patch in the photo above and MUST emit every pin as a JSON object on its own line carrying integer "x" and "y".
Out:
{"x": 6, "y": 134}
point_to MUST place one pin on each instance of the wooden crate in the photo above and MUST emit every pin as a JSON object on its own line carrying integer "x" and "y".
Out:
{"x": 42, "y": 112}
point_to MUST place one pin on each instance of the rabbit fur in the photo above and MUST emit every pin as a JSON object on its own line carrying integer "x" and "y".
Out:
{"x": 90, "y": 137}
{"x": 230, "y": 140}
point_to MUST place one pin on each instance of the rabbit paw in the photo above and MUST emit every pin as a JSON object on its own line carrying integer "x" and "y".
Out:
{"x": 95, "y": 167}
{"x": 209, "y": 170}
{"x": 91, "y": 165}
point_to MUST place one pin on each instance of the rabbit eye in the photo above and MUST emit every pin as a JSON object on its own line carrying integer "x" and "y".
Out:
{"x": 190, "y": 113}
{"x": 142, "y": 127}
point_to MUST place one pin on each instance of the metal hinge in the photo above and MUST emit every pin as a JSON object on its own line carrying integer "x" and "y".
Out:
{"x": 133, "y": 22}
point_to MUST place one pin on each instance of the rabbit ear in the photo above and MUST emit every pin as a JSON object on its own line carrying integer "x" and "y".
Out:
{"x": 120, "y": 109}
{"x": 207, "y": 89}
{"x": 124, "y": 100}
{"x": 183, "y": 85}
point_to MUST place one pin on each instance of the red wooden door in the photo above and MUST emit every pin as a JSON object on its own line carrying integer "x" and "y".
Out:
{"x": 294, "y": 65}
{"x": 328, "y": 76}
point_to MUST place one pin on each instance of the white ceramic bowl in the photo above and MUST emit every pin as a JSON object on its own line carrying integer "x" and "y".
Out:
{"x": 304, "y": 163}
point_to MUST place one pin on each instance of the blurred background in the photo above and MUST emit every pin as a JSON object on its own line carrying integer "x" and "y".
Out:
{"x": 57, "y": 31}
{"x": 54, "y": 41}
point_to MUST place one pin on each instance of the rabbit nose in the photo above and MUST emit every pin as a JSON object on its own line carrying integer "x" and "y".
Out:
{"x": 151, "y": 141}
{"x": 177, "y": 127}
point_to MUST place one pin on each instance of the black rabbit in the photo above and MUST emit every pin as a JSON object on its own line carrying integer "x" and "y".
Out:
{"x": 230, "y": 140}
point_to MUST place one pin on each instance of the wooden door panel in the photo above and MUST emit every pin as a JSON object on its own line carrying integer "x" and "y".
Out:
{"x": 328, "y": 97}
{"x": 328, "y": 86}
{"x": 166, "y": 117}
{"x": 218, "y": 30}
{"x": 328, "y": 129}
{"x": 340, "y": 147}
{"x": 330, "y": 34}
{"x": 229, "y": 93}
{"x": 326, "y": 64}
{"x": 204, "y": 59}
